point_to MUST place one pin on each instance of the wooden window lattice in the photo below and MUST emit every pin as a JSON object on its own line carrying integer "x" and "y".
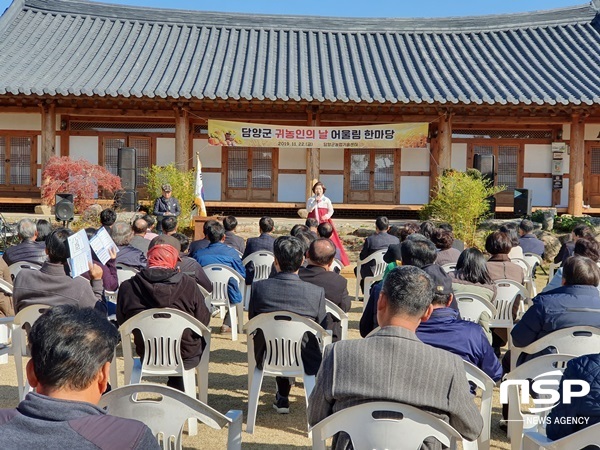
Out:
{"x": 359, "y": 170}
{"x": 501, "y": 134}
{"x": 384, "y": 170}
{"x": 237, "y": 168}
{"x": 262, "y": 169}
{"x": 2, "y": 158}
{"x": 595, "y": 161}
{"x": 508, "y": 159}
{"x": 20, "y": 160}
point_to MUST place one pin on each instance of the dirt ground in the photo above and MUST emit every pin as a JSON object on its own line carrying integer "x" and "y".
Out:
{"x": 228, "y": 381}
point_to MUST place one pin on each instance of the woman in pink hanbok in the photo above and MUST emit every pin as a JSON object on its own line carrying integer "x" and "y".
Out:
{"x": 320, "y": 207}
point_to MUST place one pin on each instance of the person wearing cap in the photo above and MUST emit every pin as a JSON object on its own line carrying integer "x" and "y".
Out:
{"x": 163, "y": 285}
{"x": 165, "y": 205}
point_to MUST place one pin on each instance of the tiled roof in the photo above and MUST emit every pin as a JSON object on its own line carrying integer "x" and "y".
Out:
{"x": 75, "y": 47}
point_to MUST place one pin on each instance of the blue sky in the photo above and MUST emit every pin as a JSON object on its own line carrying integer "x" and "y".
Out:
{"x": 355, "y": 8}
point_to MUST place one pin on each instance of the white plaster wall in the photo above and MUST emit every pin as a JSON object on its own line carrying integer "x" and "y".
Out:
{"x": 335, "y": 187}
{"x": 165, "y": 151}
{"x": 210, "y": 156}
{"x": 56, "y": 147}
{"x": 39, "y": 148}
{"x": 414, "y": 190}
{"x": 13, "y": 121}
{"x": 212, "y": 186}
{"x": 291, "y": 188}
{"x": 84, "y": 147}
{"x": 459, "y": 157}
{"x": 415, "y": 159}
{"x": 538, "y": 158}
{"x": 564, "y": 194}
{"x": 541, "y": 190}
{"x": 592, "y": 132}
{"x": 292, "y": 158}
{"x": 332, "y": 159}
{"x": 38, "y": 177}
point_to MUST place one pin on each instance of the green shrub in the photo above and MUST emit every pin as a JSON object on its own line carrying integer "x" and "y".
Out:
{"x": 566, "y": 222}
{"x": 460, "y": 199}
{"x": 183, "y": 184}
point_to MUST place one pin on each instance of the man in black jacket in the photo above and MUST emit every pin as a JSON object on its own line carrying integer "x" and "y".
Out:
{"x": 378, "y": 241}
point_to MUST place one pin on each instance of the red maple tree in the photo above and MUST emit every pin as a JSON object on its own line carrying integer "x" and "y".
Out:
{"x": 80, "y": 178}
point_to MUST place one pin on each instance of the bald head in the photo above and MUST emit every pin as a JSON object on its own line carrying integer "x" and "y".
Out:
{"x": 321, "y": 252}
{"x": 140, "y": 226}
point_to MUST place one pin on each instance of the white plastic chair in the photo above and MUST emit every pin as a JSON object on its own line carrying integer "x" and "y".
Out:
{"x": 552, "y": 366}
{"x": 161, "y": 330}
{"x": 125, "y": 272}
{"x": 576, "y": 341}
{"x": 533, "y": 440}
{"x": 283, "y": 332}
{"x": 219, "y": 276}
{"x": 22, "y": 322}
{"x": 263, "y": 261}
{"x": 336, "y": 266}
{"x": 507, "y": 292}
{"x": 486, "y": 384}
{"x": 377, "y": 269}
{"x": 369, "y": 282}
{"x": 5, "y": 326}
{"x": 340, "y": 315}
{"x": 471, "y": 306}
{"x": 527, "y": 264}
{"x": 6, "y": 287}
{"x": 370, "y": 427}
{"x": 165, "y": 413}
{"x": 552, "y": 270}
{"x": 449, "y": 267}
{"x": 18, "y": 266}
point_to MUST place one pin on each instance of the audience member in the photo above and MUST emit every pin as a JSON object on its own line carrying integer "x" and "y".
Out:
{"x": 108, "y": 217}
{"x": 128, "y": 255}
{"x": 499, "y": 267}
{"x": 169, "y": 225}
{"x": 427, "y": 228}
{"x": 7, "y": 308}
{"x": 110, "y": 279}
{"x": 162, "y": 285}
{"x": 588, "y": 247}
{"x": 394, "y": 365}
{"x": 313, "y": 224}
{"x": 230, "y": 224}
{"x": 529, "y": 241}
{"x": 263, "y": 242}
{"x": 471, "y": 275}
{"x": 321, "y": 254}
{"x": 52, "y": 286}
{"x": 151, "y": 222}
{"x": 287, "y": 292}
{"x": 443, "y": 241}
{"x": 28, "y": 249}
{"x": 298, "y": 228}
{"x": 510, "y": 228}
{"x": 219, "y": 253}
{"x": 457, "y": 244}
{"x": 71, "y": 352}
{"x": 325, "y": 230}
{"x": 394, "y": 251}
{"x": 200, "y": 243}
{"x": 567, "y": 248}
{"x": 187, "y": 264}
{"x": 378, "y": 241}
{"x": 44, "y": 228}
{"x": 138, "y": 240}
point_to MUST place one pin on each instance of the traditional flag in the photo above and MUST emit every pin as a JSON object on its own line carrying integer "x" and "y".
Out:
{"x": 199, "y": 190}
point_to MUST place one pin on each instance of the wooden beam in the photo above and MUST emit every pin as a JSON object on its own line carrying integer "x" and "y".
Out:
{"x": 445, "y": 142}
{"x": 313, "y": 157}
{"x": 576, "y": 166}
{"x": 48, "y": 132}
{"x": 182, "y": 139}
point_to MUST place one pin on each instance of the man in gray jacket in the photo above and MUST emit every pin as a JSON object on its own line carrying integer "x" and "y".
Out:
{"x": 71, "y": 350}
{"x": 394, "y": 365}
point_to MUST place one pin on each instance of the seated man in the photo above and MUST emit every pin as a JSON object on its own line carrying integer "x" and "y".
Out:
{"x": 320, "y": 254}
{"x": 380, "y": 240}
{"x": 108, "y": 217}
{"x": 138, "y": 240}
{"x": 128, "y": 255}
{"x": 188, "y": 265}
{"x": 219, "y": 253}
{"x": 231, "y": 238}
{"x": 52, "y": 286}
{"x": 394, "y": 365}
{"x": 325, "y": 230}
{"x": 162, "y": 285}
{"x": 263, "y": 242}
{"x": 169, "y": 225}
{"x": 446, "y": 330}
{"x": 566, "y": 249}
{"x": 313, "y": 225}
{"x": 287, "y": 292}
{"x": 586, "y": 246}
{"x": 28, "y": 249}
{"x": 529, "y": 241}
{"x": 575, "y": 303}
{"x": 151, "y": 222}
{"x": 71, "y": 351}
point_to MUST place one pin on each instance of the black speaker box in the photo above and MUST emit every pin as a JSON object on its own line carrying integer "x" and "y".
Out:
{"x": 126, "y": 200}
{"x": 522, "y": 205}
{"x": 64, "y": 209}
{"x": 485, "y": 164}
{"x": 126, "y": 167}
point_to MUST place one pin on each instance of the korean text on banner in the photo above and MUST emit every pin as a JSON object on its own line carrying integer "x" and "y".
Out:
{"x": 240, "y": 134}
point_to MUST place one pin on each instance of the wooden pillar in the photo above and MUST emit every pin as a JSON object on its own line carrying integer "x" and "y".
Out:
{"x": 444, "y": 139}
{"x": 313, "y": 157}
{"x": 576, "y": 166}
{"x": 48, "y": 132}
{"x": 182, "y": 139}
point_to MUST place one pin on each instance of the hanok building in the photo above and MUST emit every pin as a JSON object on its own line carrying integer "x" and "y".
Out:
{"x": 82, "y": 79}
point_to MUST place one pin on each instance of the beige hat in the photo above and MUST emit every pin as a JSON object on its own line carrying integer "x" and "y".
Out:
{"x": 166, "y": 187}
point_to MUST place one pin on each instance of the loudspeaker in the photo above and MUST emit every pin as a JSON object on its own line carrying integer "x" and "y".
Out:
{"x": 485, "y": 164}
{"x": 522, "y": 205}
{"x": 126, "y": 200}
{"x": 64, "y": 210}
{"x": 126, "y": 167}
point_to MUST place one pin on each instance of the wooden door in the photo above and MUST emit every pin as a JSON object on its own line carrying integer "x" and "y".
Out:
{"x": 250, "y": 174}
{"x": 109, "y": 156}
{"x": 592, "y": 170}
{"x": 372, "y": 175}
{"x": 507, "y": 168}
